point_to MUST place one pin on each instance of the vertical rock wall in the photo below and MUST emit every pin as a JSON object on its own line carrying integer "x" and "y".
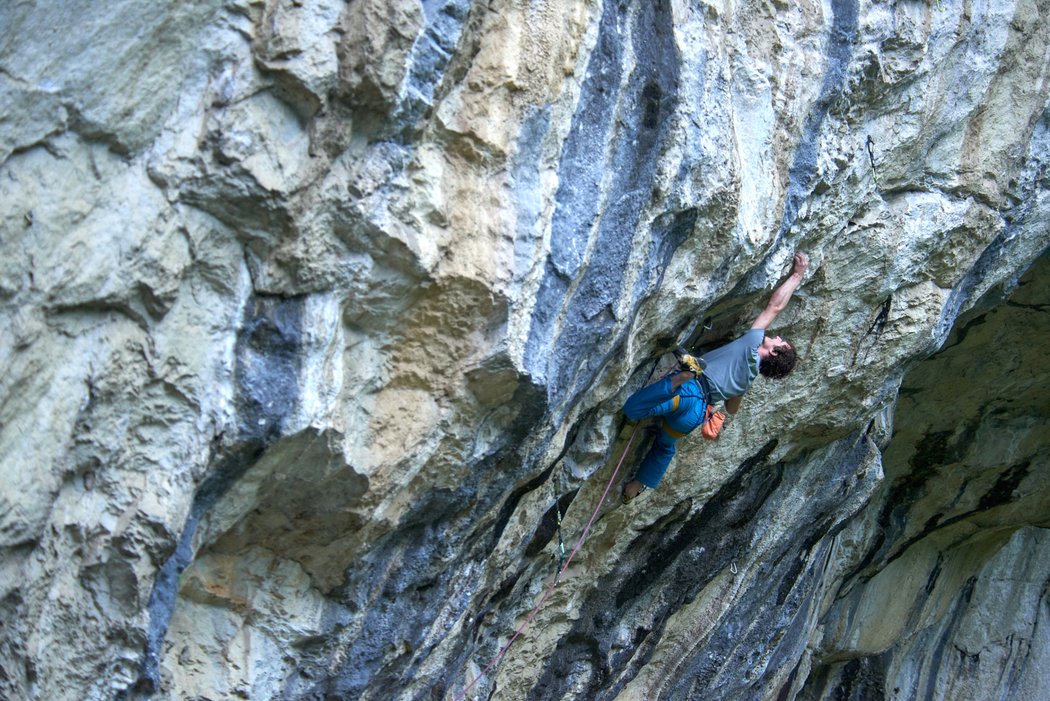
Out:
{"x": 317, "y": 316}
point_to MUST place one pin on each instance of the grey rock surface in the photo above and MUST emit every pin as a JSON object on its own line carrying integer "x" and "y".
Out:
{"x": 317, "y": 318}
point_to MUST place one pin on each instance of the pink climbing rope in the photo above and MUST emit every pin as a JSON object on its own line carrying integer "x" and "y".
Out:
{"x": 557, "y": 578}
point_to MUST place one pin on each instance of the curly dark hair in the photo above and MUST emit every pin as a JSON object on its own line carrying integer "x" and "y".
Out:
{"x": 780, "y": 363}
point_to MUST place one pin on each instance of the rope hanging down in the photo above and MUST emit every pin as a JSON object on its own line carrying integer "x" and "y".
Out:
{"x": 557, "y": 578}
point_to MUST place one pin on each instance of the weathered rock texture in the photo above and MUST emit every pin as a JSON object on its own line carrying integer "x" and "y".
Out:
{"x": 314, "y": 311}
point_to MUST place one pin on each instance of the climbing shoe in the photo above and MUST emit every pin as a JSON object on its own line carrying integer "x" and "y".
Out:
{"x": 623, "y": 492}
{"x": 688, "y": 362}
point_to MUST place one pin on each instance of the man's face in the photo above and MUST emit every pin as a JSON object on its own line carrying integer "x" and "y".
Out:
{"x": 773, "y": 344}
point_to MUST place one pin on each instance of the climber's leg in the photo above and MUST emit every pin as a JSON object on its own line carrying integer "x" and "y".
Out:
{"x": 656, "y": 399}
{"x": 656, "y": 460}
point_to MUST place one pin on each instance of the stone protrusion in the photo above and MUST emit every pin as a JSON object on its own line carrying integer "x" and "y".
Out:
{"x": 316, "y": 319}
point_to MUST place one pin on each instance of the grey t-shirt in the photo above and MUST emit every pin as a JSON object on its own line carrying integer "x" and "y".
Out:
{"x": 732, "y": 368}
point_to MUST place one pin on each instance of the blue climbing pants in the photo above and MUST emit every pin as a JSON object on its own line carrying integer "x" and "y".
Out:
{"x": 682, "y": 411}
{"x": 655, "y": 462}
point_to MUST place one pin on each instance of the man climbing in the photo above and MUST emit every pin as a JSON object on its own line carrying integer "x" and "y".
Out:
{"x": 682, "y": 398}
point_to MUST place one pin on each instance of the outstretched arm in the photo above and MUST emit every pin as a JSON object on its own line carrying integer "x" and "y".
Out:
{"x": 778, "y": 301}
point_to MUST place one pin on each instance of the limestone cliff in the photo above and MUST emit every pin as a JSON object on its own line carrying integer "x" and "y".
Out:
{"x": 317, "y": 314}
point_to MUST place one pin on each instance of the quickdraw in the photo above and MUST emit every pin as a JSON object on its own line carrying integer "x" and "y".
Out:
{"x": 561, "y": 543}
{"x": 871, "y": 158}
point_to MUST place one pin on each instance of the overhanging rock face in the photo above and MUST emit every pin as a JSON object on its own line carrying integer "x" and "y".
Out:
{"x": 318, "y": 315}
{"x": 946, "y": 596}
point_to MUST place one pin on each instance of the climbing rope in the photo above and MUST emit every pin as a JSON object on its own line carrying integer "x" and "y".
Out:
{"x": 557, "y": 578}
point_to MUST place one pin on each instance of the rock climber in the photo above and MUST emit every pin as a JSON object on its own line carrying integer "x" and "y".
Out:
{"x": 682, "y": 398}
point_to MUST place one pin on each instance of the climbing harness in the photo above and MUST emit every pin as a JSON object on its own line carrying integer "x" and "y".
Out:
{"x": 675, "y": 402}
{"x": 673, "y": 433}
{"x": 561, "y": 570}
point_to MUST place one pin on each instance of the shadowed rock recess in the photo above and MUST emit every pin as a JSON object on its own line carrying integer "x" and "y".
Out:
{"x": 317, "y": 318}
